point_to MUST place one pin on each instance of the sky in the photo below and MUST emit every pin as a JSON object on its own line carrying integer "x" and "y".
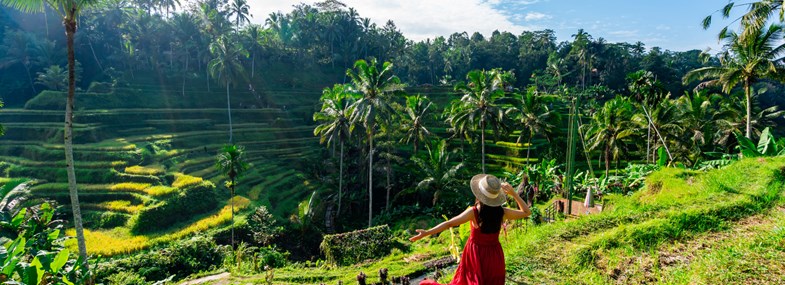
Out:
{"x": 669, "y": 24}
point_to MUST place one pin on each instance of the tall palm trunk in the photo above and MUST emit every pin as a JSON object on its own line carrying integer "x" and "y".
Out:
{"x": 231, "y": 201}
{"x": 229, "y": 110}
{"x": 370, "y": 176}
{"x": 32, "y": 85}
{"x": 529, "y": 147}
{"x": 70, "y": 30}
{"x": 340, "y": 180}
{"x": 607, "y": 160}
{"x": 253, "y": 64}
{"x": 482, "y": 139}
{"x": 648, "y": 142}
{"x": 185, "y": 72}
{"x": 749, "y": 107}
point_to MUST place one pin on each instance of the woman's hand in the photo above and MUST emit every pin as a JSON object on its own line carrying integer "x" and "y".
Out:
{"x": 420, "y": 234}
{"x": 508, "y": 189}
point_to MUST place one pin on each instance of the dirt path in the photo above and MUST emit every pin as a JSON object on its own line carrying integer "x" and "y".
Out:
{"x": 222, "y": 278}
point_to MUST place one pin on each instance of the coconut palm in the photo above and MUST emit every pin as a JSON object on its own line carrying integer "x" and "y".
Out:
{"x": 334, "y": 123}
{"x": 225, "y": 66}
{"x": 232, "y": 164}
{"x": 649, "y": 92}
{"x": 416, "y": 111}
{"x": 240, "y": 10}
{"x": 745, "y": 60}
{"x": 53, "y": 78}
{"x": 377, "y": 86}
{"x": 69, "y": 10}
{"x": 478, "y": 107}
{"x": 532, "y": 116}
{"x": 610, "y": 128}
{"x": 439, "y": 172}
{"x": 704, "y": 121}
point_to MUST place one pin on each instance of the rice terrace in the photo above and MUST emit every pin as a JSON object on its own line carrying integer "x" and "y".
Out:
{"x": 392, "y": 142}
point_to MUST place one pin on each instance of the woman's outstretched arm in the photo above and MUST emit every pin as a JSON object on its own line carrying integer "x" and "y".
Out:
{"x": 458, "y": 220}
{"x": 523, "y": 208}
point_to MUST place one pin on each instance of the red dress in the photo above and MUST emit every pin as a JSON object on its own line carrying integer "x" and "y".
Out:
{"x": 482, "y": 262}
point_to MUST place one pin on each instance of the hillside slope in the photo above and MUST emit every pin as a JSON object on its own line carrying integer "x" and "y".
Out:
{"x": 723, "y": 226}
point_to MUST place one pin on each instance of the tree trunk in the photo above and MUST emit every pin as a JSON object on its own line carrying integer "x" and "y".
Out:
{"x": 482, "y": 139}
{"x": 415, "y": 146}
{"x": 253, "y": 65}
{"x": 32, "y": 85}
{"x": 185, "y": 72}
{"x": 529, "y": 147}
{"x": 89, "y": 42}
{"x": 231, "y": 201}
{"x": 70, "y": 30}
{"x": 749, "y": 107}
{"x": 648, "y": 142}
{"x": 607, "y": 160}
{"x": 229, "y": 111}
{"x": 370, "y": 176}
{"x": 340, "y": 180}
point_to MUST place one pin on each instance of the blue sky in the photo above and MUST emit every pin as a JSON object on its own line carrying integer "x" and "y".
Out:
{"x": 670, "y": 24}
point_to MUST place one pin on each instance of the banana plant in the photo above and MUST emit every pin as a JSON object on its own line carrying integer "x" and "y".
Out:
{"x": 767, "y": 145}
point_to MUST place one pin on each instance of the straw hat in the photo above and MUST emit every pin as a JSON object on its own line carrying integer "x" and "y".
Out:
{"x": 488, "y": 189}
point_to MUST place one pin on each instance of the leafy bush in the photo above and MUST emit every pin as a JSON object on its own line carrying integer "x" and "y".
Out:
{"x": 181, "y": 259}
{"x": 357, "y": 246}
{"x": 269, "y": 256}
{"x": 104, "y": 220}
{"x": 196, "y": 199}
{"x": 126, "y": 278}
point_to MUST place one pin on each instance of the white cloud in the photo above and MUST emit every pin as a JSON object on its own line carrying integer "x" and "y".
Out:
{"x": 417, "y": 19}
{"x": 536, "y": 16}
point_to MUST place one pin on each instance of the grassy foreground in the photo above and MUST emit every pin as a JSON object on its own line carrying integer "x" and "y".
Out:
{"x": 684, "y": 227}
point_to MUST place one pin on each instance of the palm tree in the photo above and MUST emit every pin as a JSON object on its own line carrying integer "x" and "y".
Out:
{"x": 240, "y": 10}
{"x": 254, "y": 40}
{"x": 745, "y": 59}
{"x": 226, "y": 67}
{"x": 610, "y": 128}
{"x": 377, "y": 86}
{"x": 69, "y": 10}
{"x": 703, "y": 120}
{"x": 477, "y": 107}
{"x": 53, "y": 78}
{"x": 439, "y": 172}
{"x": 335, "y": 123}
{"x": 649, "y": 92}
{"x": 532, "y": 115}
{"x": 232, "y": 164}
{"x": 415, "y": 112}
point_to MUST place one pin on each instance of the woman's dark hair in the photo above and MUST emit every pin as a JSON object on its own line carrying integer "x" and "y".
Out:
{"x": 489, "y": 219}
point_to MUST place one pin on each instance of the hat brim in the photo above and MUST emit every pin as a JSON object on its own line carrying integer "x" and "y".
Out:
{"x": 493, "y": 202}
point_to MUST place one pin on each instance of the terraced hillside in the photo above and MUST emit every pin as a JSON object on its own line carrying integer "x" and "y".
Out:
{"x": 135, "y": 164}
{"x": 139, "y": 151}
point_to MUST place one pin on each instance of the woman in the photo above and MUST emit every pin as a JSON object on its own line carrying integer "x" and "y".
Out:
{"x": 482, "y": 261}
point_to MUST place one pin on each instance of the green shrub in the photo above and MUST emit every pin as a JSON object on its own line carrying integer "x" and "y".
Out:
{"x": 126, "y": 278}
{"x": 357, "y": 246}
{"x": 104, "y": 220}
{"x": 180, "y": 259}
{"x": 269, "y": 256}
{"x": 195, "y": 199}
